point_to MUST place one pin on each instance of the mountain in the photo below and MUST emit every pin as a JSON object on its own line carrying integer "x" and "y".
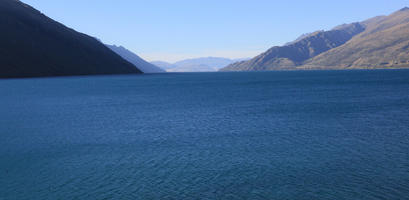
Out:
{"x": 294, "y": 54}
{"x": 379, "y": 42}
{"x": 208, "y": 64}
{"x": 135, "y": 59}
{"x": 383, "y": 44}
{"x": 33, "y": 45}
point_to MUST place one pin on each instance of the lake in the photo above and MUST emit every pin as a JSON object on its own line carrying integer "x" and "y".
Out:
{"x": 252, "y": 135}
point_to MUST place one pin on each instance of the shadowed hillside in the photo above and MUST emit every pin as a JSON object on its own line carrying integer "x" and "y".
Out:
{"x": 33, "y": 45}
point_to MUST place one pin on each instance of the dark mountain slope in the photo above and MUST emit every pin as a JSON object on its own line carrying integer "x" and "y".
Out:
{"x": 33, "y": 45}
{"x": 294, "y": 54}
{"x": 135, "y": 59}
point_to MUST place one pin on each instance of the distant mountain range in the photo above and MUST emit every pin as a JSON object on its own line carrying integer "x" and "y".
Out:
{"x": 131, "y": 57}
{"x": 207, "y": 64}
{"x": 380, "y": 42}
{"x": 33, "y": 45}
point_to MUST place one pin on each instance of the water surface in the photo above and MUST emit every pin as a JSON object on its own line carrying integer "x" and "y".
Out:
{"x": 273, "y": 135}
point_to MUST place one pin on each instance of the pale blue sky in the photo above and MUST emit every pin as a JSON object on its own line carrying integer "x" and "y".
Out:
{"x": 177, "y": 29}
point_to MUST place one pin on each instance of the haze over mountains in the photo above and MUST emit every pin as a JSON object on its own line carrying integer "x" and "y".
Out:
{"x": 162, "y": 64}
{"x": 380, "y": 42}
{"x": 205, "y": 64}
{"x": 33, "y": 45}
{"x": 131, "y": 57}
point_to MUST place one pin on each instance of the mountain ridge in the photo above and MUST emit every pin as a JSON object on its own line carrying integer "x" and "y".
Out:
{"x": 378, "y": 42}
{"x": 292, "y": 55}
{"x": 384, "y": 44}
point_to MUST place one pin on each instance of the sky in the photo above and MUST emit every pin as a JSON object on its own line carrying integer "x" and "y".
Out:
{"x": 173, "y": 30}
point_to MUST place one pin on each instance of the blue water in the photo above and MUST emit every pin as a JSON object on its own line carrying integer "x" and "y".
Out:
{"x": 273, "y": 135}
